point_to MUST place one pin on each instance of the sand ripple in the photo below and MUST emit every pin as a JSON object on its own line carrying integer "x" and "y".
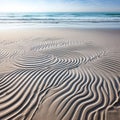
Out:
{"x": 60, "y": 81}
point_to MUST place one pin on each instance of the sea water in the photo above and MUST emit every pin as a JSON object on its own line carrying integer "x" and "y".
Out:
{"x": 61, "y": 19}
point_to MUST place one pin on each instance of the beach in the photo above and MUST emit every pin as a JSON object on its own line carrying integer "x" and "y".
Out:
{"x": 59, "y": 74}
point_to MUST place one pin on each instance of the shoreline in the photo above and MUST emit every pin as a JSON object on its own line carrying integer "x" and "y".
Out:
{"x": 50, "y": 27}
{"x": 60, "y": 28}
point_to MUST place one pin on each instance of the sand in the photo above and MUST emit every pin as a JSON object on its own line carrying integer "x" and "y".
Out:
{"x": 59, "y": 74}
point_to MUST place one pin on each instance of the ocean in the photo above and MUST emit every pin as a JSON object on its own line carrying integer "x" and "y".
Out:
{"x": 61, "y": 19}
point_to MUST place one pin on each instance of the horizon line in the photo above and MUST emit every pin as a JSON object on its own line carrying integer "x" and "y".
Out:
{"x": 59, "y": 11}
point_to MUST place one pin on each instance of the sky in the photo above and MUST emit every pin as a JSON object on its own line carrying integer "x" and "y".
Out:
{"x": 59, "y": 5}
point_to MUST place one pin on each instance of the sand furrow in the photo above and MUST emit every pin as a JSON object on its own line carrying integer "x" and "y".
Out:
{"x": 58, "y": 79}
{"x": 13, "y": 103}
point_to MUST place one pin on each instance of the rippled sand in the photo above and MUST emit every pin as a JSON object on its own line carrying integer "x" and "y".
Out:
{"x": 59, "y": 74}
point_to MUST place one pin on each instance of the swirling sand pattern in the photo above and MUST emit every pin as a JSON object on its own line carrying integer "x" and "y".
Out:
{"x": 50, "y": 84}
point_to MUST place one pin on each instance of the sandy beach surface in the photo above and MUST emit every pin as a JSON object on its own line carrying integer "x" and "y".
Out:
{"x": 59, "y": 74}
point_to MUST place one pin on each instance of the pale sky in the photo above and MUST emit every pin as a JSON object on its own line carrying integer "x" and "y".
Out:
{"x": 59, "y": 5}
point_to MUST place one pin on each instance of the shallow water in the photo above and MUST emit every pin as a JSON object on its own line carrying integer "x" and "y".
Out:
{"x": 61, "y": 19}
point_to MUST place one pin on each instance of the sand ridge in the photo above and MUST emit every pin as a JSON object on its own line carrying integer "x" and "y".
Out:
{"x": 57, "y": 78}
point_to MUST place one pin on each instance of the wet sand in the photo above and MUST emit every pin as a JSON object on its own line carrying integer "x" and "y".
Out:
{"x": 59, "y": 74}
